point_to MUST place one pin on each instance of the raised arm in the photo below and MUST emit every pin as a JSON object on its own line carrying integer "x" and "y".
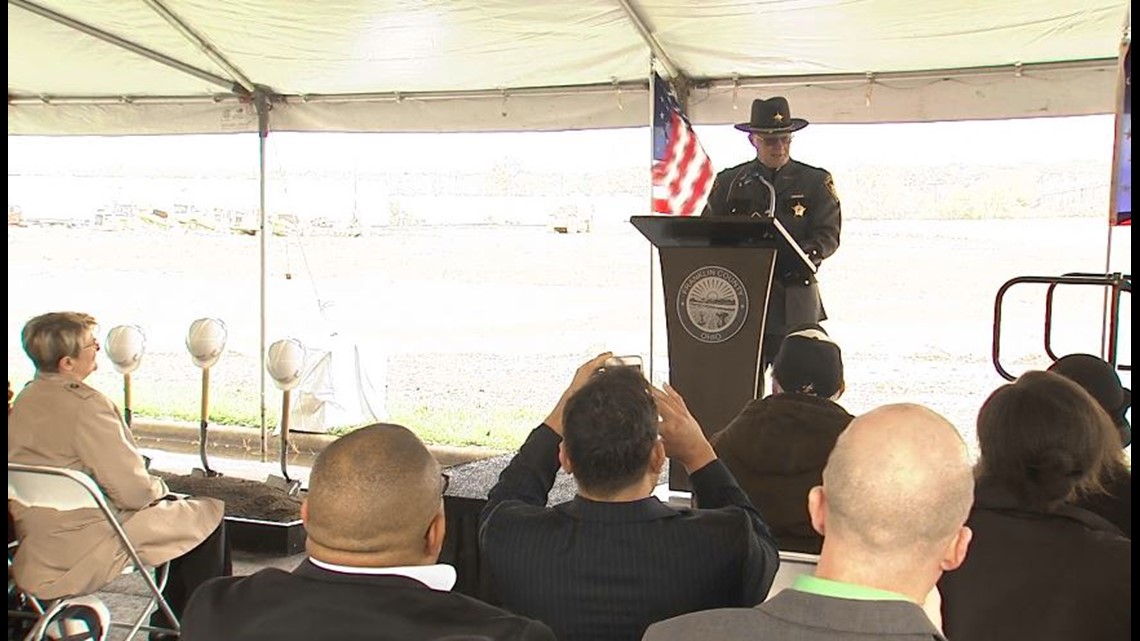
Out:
{"x": 714, "y": 487}
{"x": 529, "y": 476}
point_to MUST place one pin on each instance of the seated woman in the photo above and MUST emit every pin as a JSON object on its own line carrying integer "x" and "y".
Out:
{"x": 58, "y": 420}
{"x": 777, "y": 446}
{"x": 1100, "y": 380}
{"x": 1038, "y": 567}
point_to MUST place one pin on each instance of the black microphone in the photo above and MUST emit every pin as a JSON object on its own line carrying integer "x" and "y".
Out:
{"x": 755, "y": 176}
{"x": 749, "y": 178}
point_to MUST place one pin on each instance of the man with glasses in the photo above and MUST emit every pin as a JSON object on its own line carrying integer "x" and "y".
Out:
{"x": 375, "y": 525}
{"x": 807, "y": 205}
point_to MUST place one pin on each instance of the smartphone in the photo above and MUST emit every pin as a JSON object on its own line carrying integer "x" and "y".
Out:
{"x": 624, "y": 361}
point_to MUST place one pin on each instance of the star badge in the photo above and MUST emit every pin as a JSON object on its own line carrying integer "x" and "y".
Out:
{"x": 799, "y": 210}
{"x": 778, "y": 117}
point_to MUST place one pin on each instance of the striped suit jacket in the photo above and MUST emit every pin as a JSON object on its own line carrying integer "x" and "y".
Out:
{"x": 602, "y": 571}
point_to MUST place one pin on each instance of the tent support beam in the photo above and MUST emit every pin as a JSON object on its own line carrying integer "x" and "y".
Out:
{"x": 262, "y": 104}
{"x": 655, "y": 47}
{"x": 752, "y": 82}
{"x": 123, "y": 43}
{"x": 199, "y": 41}
{"x": 634, "y": 86}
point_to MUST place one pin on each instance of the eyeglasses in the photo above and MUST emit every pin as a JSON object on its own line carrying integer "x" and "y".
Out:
{"x": 94, "y": 343}
{"x": 773, "y": 141}
{"x": 446, "y": 482}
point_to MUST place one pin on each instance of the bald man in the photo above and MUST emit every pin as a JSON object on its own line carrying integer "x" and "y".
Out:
{"x": 895, "y": 496}
{"x": 375, "y": 525}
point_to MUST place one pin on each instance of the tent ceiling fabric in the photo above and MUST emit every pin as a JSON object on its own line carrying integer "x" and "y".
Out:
{"x": 449, "y": 65}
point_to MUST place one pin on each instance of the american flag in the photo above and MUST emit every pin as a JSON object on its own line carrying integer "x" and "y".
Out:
{"x": 682, "y": 172}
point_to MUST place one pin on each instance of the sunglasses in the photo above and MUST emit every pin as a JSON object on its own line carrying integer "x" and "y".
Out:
{"x": 773, "y": 141}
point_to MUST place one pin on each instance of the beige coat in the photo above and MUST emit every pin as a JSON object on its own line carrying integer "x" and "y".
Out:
{"x": 58, "y": 421}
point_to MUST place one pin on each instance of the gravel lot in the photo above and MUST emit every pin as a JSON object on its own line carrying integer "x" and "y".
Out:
{"x": 475, "y": 330}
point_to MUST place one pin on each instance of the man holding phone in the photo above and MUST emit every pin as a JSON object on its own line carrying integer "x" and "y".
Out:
{"x": 615, "y": 559}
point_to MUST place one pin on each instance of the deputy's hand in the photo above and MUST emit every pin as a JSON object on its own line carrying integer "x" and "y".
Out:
{"x": 581, "y": 376}
{"x": 680, "y": 432}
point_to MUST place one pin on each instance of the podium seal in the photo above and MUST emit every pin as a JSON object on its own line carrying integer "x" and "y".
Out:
{"x": 712, "y": 304}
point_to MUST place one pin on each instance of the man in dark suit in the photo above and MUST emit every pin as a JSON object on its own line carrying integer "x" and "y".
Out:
{"x": 375, "y": 524}
{"x": 613, "y": 560}
{"x": 895, "y": 496}
{"x": 806, "y": 204}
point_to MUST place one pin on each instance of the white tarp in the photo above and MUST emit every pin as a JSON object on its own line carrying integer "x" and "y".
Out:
{"x": 343, "y": 385}
{"x": 448, "y": 65}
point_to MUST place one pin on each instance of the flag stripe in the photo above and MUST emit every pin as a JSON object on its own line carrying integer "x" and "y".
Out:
{"x": 682, "y": 171}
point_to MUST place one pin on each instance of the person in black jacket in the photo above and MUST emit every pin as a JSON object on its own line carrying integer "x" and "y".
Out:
{"x": 607, "y": 564}
{"x": 1113, "y": 500}
{"x": 1039, "y": 567}
{"x": 807, "y": 204}
{"x": 777, "y": 446}
{"x": 375, "y": 525}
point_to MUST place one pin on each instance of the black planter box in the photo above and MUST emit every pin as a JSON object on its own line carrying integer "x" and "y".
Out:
{"x": 265, "y": 537}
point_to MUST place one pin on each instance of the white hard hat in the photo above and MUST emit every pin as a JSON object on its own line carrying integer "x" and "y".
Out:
{"x": 126, "y": 345}
{"x": 286, "y": 362}
{"x": 206, "y": 341}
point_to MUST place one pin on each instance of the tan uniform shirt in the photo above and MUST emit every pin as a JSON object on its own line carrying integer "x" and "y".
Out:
{"x": 58, "y": 421}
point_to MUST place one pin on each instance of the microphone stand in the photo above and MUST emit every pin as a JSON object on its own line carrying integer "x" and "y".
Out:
{"x": 771, "y": 212}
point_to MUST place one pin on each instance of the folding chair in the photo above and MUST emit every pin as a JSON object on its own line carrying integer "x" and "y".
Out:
{"x": 792, "y": 565}
{"x": 63, "y": 489}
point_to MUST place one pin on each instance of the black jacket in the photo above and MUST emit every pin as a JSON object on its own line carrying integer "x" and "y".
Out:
{"x": 1047, "y": 576}
{"x": 315, "y": 604}
{"x": 597, "y": 571}
{"x": 776, "y": 449}
{"x": 808, "y": 207}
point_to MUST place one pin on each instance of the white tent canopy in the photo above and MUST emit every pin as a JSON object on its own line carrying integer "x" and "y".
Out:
{"x": 198, "y": 66}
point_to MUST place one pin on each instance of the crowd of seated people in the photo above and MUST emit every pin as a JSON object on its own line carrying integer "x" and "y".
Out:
{"x": 1030, "y": 542}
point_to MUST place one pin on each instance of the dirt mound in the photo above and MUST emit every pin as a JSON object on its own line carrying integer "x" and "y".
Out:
{"x": 244, "y": 498}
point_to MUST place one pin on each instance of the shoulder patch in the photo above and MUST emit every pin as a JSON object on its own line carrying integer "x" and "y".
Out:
{"x": 81, "y": 390}
{"x": 830, "y": 183}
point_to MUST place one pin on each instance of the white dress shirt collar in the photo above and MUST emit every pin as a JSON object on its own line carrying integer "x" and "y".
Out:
{"x": 439, "y": 577}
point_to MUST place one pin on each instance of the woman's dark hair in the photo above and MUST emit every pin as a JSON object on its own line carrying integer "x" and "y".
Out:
{"x": 1045, "y": 439}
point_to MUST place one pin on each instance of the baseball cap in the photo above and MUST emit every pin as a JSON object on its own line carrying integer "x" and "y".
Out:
{"x": 1101, "y": 381}
{"x": 809, "y": 362}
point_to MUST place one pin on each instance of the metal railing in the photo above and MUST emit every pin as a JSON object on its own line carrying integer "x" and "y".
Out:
{"x": 1116, "y": 283}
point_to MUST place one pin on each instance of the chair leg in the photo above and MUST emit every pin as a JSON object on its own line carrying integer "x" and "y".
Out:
{"x": 39, "y": 631}
{"x": 156, "y": 602}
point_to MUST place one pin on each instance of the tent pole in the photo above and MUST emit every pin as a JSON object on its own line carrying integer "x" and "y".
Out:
{"x": 652, "y": 323}
{"x": 261, "y": 103}
{"x": 1118, "y": 134}
{"x": 1106, "y": 304}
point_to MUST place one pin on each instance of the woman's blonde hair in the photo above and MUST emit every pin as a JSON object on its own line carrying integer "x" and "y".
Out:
{"x": 47, "y": 338}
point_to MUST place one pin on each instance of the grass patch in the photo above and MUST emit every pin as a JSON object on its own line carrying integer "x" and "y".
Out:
{"x": 496, "y": 428}
{"x": 235, "y": 402}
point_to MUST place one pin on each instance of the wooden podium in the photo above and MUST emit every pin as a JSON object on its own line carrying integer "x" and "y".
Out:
{"x": 717, "y": 273}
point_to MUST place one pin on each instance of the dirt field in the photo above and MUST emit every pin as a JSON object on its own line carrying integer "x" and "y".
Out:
{"x": 476, "y": 329}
